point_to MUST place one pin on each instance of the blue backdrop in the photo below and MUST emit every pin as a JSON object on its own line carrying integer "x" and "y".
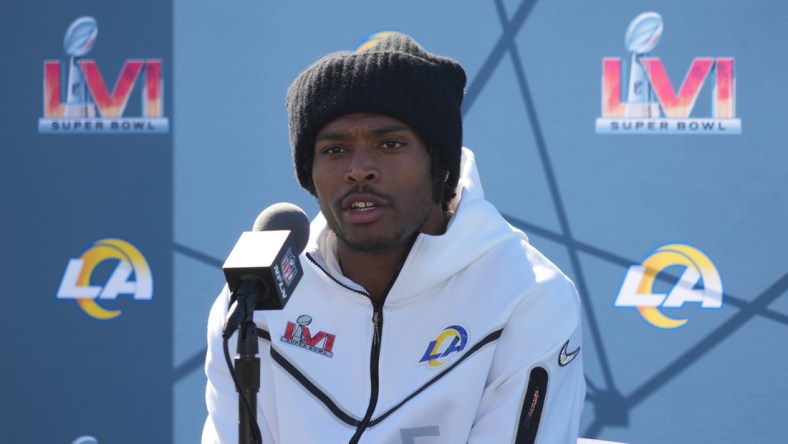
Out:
{"x": 674, "y": 237}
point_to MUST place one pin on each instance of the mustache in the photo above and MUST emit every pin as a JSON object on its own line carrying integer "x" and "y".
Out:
{"x": 363, "y": 189}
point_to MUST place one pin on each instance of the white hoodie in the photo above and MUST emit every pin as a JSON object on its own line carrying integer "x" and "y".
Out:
{"x": 477, "y": 341}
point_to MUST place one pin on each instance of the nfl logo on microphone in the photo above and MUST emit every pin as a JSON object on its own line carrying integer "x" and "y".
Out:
{"x": 289, "y": 267}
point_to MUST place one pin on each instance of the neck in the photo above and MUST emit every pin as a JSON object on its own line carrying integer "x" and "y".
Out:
{"x": 376, "y": 271}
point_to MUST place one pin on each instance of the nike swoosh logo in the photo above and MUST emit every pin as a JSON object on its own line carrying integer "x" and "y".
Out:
{"x": 565, "y": 358}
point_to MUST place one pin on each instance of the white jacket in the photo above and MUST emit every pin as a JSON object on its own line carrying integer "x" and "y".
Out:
{"x": 478, "y": 342}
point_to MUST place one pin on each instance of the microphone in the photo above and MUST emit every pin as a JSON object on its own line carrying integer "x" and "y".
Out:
{"x": 263, "y": 268}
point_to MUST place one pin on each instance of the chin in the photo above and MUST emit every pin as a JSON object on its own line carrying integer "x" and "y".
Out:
{"x": 371, "y": 244}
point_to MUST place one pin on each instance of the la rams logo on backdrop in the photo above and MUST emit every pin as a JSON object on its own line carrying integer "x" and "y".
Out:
{"x": 699, "y": 282}
{"x": 373, "y": 40}
{"x": 452, "y": 339}
{"x": 130, "y": 275}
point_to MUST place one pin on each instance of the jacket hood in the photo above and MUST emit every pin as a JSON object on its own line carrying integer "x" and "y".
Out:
{"x": 475, "y": 228}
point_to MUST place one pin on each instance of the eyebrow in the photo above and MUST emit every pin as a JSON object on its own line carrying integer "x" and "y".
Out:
{"x": 338, "y": 135}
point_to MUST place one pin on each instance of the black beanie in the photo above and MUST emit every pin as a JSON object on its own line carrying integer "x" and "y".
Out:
{"x": 390, "y": 75}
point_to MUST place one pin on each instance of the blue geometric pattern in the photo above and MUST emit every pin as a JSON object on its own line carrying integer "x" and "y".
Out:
{"x": 608, "y": 406}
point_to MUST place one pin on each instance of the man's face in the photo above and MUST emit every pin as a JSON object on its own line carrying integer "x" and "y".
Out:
{"x": 372, "y": 179}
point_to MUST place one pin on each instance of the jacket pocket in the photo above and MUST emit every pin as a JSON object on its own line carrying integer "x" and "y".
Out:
{"x": 531, "y": 412}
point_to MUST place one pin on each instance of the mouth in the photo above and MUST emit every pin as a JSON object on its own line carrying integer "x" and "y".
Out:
{"x": 362, "y": 206}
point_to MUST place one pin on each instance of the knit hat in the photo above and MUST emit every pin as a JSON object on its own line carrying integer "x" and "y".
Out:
{"x": 391, "y": 75}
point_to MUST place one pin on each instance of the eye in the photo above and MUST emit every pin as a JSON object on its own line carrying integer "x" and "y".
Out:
{"x": 392, "y": 144}
{"x": 332, "y": 149}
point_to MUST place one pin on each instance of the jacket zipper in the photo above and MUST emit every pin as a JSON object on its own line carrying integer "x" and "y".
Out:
{"x": 377, "y": 325}
{"x": 534, "y": 402}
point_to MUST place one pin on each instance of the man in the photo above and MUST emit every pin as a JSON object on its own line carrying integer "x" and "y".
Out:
{"x": 422, "y": 315}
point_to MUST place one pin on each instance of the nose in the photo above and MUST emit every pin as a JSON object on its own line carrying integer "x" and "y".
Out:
{"x": 362, "y": 167}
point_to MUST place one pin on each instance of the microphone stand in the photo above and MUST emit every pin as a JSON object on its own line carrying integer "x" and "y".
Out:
{"x": 247, "y": 369}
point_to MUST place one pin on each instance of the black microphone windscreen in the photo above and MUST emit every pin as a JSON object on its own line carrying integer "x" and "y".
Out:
{"x": 285, "y": 216}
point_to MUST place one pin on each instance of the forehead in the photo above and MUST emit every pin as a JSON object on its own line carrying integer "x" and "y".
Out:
{"x": 374, "y": 122}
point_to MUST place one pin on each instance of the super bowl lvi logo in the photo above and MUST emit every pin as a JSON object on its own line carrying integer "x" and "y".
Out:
{"x": 77, "y": 99}
{"x": 698, "y": 282}
{"x": 652, "y": 105}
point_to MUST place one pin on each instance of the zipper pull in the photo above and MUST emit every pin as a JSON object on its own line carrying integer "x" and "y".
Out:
{"x": 376, "y": 320}
{"x": 377, "y": 313}
{"x": 532, "y": 408}
{"x": 376, "y": 317}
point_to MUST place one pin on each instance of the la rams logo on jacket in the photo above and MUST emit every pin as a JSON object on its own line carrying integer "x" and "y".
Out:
{"x": 452, "y": 339}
